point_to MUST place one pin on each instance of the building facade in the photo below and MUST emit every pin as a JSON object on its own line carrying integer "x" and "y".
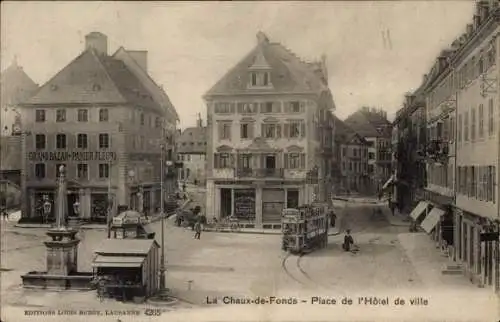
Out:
{"x": 352, "y": 156}
{"x": 460, "y": 206}
{"x": 99, "y": 119}
{"x": 373, "y": 126}
{"x": 191, "y": 151}
{"x": 409, "y": 147}
{"x": 270, "y": 136}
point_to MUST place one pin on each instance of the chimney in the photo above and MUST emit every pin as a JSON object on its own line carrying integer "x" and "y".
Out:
{"x": 97, "y": 41}
{"x": 469, "y": 30}
{"x": 141, "y": 57}
{"x": 442, "y": 61}
{"x": 425, "y": 78}
{"x": 262, "y": 38}
{"x": 409, "y": 99}
{"x": 200, "y": 121}
{"x": 324, "y": 69}
{"x": 477, "y": 22}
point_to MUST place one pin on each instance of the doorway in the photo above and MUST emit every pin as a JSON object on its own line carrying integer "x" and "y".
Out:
{"x": 225, "y": 202}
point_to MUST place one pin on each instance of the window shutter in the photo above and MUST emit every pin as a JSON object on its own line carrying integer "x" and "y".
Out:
{"x": 250, "y": 128}
{"x": 278, "y": 130}
{"x": 232, "y": 107}
{"x": 285, "y": 160}
{"x": 232, "y": 160}
{"x": 303, "y": 129}
{"x": 216, "y": 160}
{"x": 109, "y": 140}
{"x": 287, "y": 130}
{"x": 263, "y": 130}
{"x": 303, "y": 160}
{"x": 286, "y": 107}
{"x": 302, "y": 106}
{"x": 255, "y": 161}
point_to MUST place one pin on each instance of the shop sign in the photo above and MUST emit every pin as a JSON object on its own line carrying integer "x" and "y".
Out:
{"x": 489, "y": 236}
{"x": 71, "y": 156}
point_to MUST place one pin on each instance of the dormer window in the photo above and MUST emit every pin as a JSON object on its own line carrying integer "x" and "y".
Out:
{"x": 260, "y": 79}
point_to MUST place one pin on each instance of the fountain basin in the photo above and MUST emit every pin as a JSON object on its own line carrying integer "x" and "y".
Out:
{"x": 42, "y": 280}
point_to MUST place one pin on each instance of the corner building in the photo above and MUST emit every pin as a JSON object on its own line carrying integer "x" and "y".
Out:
{"x": 102, "y": 122}
{"x": 269, "y": 136}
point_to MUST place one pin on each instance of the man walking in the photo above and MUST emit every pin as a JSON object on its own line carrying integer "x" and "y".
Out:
{"x": 348, "y": 241}
{"x": 197, "y": 229}
{"x": 5, "y": 215}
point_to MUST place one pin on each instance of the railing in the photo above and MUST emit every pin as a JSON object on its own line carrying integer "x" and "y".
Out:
{"x": 259, "y": 173}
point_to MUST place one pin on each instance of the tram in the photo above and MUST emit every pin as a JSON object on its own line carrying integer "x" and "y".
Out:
{"x": 305, "y": 229}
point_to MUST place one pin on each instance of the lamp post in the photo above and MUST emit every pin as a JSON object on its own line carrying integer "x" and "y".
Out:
{"x": 162, "y": 210}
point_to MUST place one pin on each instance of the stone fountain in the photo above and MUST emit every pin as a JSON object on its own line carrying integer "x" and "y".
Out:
{"x": 62, "y": 251}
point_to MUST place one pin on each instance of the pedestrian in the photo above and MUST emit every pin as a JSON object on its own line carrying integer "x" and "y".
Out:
{"x": 184, "y": 187}
{"x": 197, "y": 229}
{"x": 5, "y": 215}
{"x": 392, "y": 206}
{"x": 333, "y": 218}
{"x": 348, "y": 241}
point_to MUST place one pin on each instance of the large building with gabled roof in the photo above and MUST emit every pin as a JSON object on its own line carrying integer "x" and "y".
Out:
{"x": 269, "y": 136}
{"x": 372, "y": 124}
{"x": 105, "y": 119}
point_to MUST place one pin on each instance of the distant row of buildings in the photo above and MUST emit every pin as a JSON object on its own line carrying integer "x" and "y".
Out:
{"x": 446, "y": 142}
{"x": 105, "y": 119}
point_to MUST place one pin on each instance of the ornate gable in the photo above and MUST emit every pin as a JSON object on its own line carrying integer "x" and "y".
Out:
{"x": 224, "y": 148}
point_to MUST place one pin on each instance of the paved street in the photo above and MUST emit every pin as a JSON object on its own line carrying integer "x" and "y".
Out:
{"x": 248, "y": 265}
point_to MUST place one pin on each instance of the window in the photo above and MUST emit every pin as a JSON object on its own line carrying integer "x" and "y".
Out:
{"x": 82, "y": 141}
{"x": 473, "y": 124}
{"x": 103, "y": 141}
{"x": 40, "y": 141}
{"x": 103, "y": 115}
{"x": 61, "y": 115}
{"x": 295, "y": 107}
{"x": 224, "y": 108}
{"x": 260, "y": 79}
{"x": 83, "y": 115}
{"x": 40, "y": 115}
{"x": 245, "y": 108}
{"x": 344, "y": 151}
{"x": 460, "y": 126}
{"x": 269, "y": 131}
{"x": 473, "y": 182}
{"x": 491, "y": 123}
{"x": 480, "y": 65}
{"x": 466, "y": 127}
{"x": 481, "y": 121}
{"x": 142, "y": 118}
{"x": 58, "y": 166}
{"x": 371, "y": 155}
{"x": 103, "y": 170}
{"x": 225, "y": 131}
{"x": 158, "y": 122}
{"x": 222, "y": 160}
{"x": 83, "y": 171}
{"x": 40, "y": 170}
{"x": 246, "y": 131}
{"x": 61, "y": 141}
{"x": 295, "y": 129}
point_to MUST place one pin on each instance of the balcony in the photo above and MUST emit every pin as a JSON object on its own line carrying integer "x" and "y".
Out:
{"x": 259, "y": 173}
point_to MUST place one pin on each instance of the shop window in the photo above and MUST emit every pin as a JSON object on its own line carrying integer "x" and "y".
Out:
{"x": 40, "y": 141}
{"x": 103, "y": 170}
{"x": 61, "y": 141}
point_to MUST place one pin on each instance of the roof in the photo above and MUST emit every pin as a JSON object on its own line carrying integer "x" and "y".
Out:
{"x": 158, "y": 92}
{"x": 192, "y": 140}
{"x": 118, "y": 261}
{"x": 366, "y": 123}
{"x": 16, "y": 86}
{"x": 93, "y": 78}
{"x": 344, "y": 133}
{"x": 126, "y": 246}
{"x": 289, "y": 74}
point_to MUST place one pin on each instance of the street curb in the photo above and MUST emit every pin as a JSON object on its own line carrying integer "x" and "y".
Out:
{"x": 272, "y": 232}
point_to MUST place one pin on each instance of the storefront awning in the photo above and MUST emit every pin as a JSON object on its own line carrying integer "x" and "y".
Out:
{"x": 118, "y": 261}
{"x": 390, "y": 181}
{"x": 419, "y": 209}
{"x": 432, "y": 219}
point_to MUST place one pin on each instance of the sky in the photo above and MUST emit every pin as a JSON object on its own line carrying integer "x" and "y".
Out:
{"x": 376, "y": 51}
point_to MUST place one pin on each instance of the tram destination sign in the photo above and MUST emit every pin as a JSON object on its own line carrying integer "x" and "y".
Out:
{"x": 71, "y": 156}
